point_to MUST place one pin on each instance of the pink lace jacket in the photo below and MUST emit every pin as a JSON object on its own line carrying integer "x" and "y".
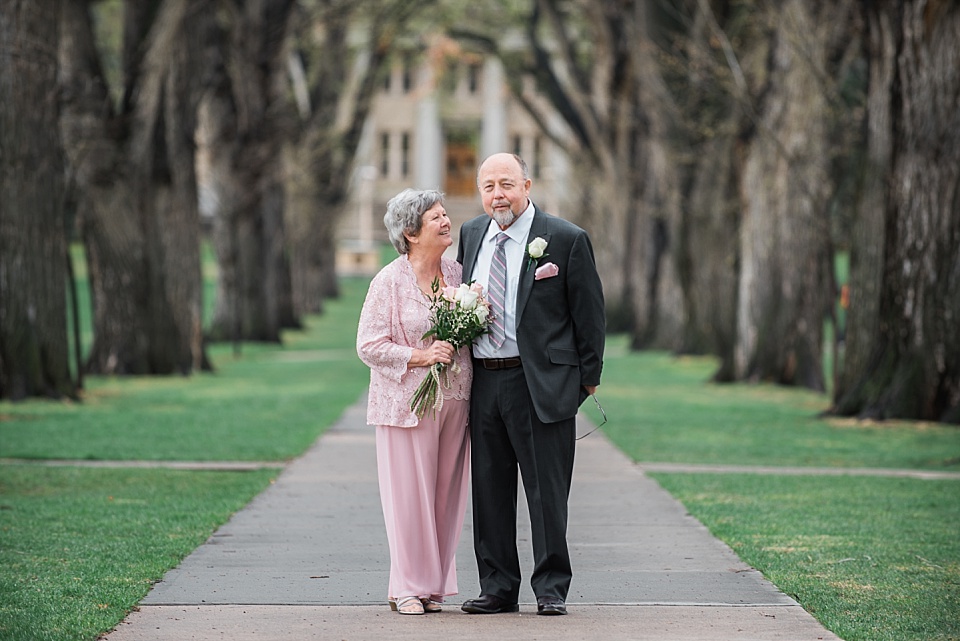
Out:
{"x": 395, "y": 315}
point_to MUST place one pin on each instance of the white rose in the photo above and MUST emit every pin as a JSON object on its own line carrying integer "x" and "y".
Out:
{"x": 481, "y": 312}
{"x": 467, "y": 297}
{"x": 535, "y": 249}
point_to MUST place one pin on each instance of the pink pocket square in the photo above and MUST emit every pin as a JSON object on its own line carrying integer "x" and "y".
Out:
{"x": 547, "y": 270}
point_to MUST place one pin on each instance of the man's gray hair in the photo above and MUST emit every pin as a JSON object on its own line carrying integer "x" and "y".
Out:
{"x": 404, "y": 212}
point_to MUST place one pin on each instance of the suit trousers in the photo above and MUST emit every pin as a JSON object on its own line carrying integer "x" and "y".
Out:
{"x": 506, "y": 434}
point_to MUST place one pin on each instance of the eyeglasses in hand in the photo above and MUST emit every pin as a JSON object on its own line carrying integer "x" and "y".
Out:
{"x": 602, "y": 413}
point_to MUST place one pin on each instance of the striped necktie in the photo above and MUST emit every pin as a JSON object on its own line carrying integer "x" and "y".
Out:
{"x": 497, "y": 290}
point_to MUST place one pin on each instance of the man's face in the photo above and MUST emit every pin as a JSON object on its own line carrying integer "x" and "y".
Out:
{"x": 503, "y": 190}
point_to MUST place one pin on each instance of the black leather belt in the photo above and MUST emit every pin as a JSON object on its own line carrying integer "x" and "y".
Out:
{"x": 499, "y": 363}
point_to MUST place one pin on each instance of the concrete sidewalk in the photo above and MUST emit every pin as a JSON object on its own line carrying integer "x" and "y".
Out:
{"x": 307, "y": 559}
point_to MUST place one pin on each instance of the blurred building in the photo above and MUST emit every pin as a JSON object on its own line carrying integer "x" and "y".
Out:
{"x": 437, "y": 115}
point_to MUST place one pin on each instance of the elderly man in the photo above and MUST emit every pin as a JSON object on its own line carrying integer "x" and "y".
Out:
{"x": 539, "y": 362}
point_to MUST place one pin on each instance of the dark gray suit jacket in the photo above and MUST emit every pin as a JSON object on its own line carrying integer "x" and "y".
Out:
{"x": 560, "y": 321}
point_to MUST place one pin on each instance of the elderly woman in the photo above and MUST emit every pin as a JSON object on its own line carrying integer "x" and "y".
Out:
{"x": 422, "y": 464}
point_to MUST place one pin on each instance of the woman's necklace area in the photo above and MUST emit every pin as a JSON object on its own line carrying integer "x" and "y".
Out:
{"x": 428, "y": 290}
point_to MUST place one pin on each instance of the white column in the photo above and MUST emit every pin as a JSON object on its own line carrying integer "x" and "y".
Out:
{"x": 366, "y": 174}
{"x": 556, "y": 166}
{"x": 428, "y": 137}
{"x": 395, "y": 155}
{"x": 493, "y": 129}
{"x": 428, "y": 145}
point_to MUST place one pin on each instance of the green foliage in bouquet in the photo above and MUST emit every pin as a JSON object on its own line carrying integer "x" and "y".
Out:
{"x": 460, "y": 315}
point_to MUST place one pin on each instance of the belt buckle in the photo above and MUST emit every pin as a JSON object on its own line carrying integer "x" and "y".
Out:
{"x": 492, "y": 364}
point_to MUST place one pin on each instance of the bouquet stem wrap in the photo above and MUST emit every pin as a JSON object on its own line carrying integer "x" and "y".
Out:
{"x": 429, "y": 396}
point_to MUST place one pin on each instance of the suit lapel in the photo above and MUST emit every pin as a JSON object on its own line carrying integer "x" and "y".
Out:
{"x": 472, "y": 238}
{"x": 538, "y": 228}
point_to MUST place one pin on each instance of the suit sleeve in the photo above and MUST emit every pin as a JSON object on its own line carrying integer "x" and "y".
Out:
{"x": 460, "y": 249}
{"x": 585, "y": 296}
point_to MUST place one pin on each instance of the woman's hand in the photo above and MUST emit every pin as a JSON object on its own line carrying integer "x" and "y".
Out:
{"x": 437, "y": 352}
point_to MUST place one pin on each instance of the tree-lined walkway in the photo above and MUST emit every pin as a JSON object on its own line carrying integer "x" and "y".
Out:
{"x": 308, "y": 559}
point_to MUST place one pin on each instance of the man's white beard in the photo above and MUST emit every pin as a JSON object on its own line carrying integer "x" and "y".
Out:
{"x": 504, "y": 218}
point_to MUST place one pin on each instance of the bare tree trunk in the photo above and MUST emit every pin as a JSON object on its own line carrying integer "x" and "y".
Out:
{"x": 759, "y": 90}
{"x": 654, "y": 241}
{"x": 135, "y": 175}
{"x": 34, "y": 354}
{"x": 710, "y": 260}
{"x": 785, "y": 287}
{"x": 607, "y": 210}
{"x": 708, "y": 141}
{"x": 93, "y": 138}
{"x": 244, "y": 138}
{"x": 218, "y": 123}
{"x": 867, "y": 242}
{"x": 311, "y": 221}
{"x": 903, "y": 346}
{"x": 163, "y": 151}
{"x": 340, "y": 78}
{"x": 181, "y": 220}
{"x": 319, "y": 164}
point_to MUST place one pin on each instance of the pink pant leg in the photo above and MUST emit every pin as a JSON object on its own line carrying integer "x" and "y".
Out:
{"x": 423, "y": 476}
{"x": 453, "y": 488}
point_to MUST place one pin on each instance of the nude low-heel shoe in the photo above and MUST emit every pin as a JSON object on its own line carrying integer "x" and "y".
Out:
{"x": 407, "y": 605}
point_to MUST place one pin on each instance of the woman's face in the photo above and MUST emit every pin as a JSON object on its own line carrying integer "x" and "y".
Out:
{"x": 434, "y": 231}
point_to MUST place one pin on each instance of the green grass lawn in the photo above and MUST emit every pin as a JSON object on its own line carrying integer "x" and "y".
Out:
{"x": 873, "y": 559}
{"x": 80, "y": 547}
{"x": 268, "y": 404}
{"x": 663, "y": 409}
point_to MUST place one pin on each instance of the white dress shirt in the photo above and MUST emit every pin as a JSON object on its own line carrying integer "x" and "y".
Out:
{"x": 515, "y": 249}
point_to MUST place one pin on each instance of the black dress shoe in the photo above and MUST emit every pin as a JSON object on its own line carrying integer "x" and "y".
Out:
{"x": 550, "y": 606}
{"x": 488, "y": 604}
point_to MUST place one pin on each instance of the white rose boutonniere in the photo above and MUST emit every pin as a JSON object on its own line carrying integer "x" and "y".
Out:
{"x": 536, "y": 250}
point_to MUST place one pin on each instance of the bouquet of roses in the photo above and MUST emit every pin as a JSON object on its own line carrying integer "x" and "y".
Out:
{"x": 460, "y": 314}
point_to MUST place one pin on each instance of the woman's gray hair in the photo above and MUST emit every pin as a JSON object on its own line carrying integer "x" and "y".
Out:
{"x": 404, "y": 213}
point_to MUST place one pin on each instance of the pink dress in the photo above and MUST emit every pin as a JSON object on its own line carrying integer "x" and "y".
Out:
{"x": 422, "y": 465}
